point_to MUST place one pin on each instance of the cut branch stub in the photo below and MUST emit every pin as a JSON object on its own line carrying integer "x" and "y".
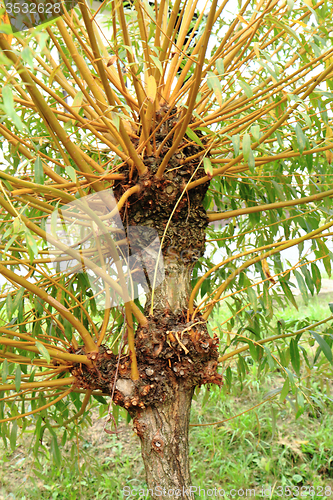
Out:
{"x": 168, "y": 351}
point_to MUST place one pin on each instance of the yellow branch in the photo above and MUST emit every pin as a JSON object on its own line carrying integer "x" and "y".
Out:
{"x": 269, "y": 206}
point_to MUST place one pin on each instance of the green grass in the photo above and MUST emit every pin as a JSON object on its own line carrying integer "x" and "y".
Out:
{"x": 262, "y": 448}
{"x": 257, "y": 449}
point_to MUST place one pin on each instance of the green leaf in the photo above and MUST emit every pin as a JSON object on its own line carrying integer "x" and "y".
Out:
{"x": 116, "y": 120}
{"x": 214, "y": 84}
{"x": 8, "y": 104}
{"x": 269, "y": 357}
{"x": 228, "y": 377}
{"x": 251, "y": 161}
{"x": 18, "y": 379}
{"x": 77, "y": 102}
{"x": 54, "y": 220}
{"x": 18, "y": 299}
{"x": 252, "y": 298}
{"x": 247, "y": 89}
{"x": 208, "y": 166}
{"x": 44, "y": 352}
{"x": 9, "y": 307}
{"x": 253, "y": 350}
{"x": 55, "y": 451}
{"x": 294, "y": 356}
{"x": 301, "y": 139}
{"x": 4, "y": 371}
{"x": 324, "y": 346}
{"x": 31, "y": 244}
{"x": 193, "y": 136}
{"x": 235, "y": 139}
{"x": 13, "y": 435}
{"x": 279, "y": 191}
{"x": 316, "y": 276}
{"x": 246, "y": 146}
{"x": 291, "y": 379}
{"x": 71, "y": 173}
{"x": 323, "y": 250}
{"x": 283, "y": 26}
{"x": 38, "y": 171}
{"x": 308, "y": 279}
{"x": 100, "y": 399}
{"x": 285, "y": 390}
{"x": 157, "y": 63}
{"x": 255, "y": 131}
{"x": 302, "y": 286}
{"x": 26, "y": 55}
{"x": 219, "y": 65}
{"x": 290, "y": 4}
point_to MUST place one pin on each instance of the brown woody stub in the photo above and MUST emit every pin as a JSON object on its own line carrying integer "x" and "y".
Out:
{"x": 189, "y": 354}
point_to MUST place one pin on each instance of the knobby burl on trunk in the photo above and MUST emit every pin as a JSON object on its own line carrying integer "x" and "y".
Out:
{"x": 174, "y": 354}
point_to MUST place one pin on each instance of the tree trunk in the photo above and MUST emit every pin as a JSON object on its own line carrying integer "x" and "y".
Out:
{"x": 174, "y": 354}
{"x": 178, "y": 355}
{"x": 163, "y": 430}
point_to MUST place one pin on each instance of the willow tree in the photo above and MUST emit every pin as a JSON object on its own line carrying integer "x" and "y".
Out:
{"x": 171, "y": 117}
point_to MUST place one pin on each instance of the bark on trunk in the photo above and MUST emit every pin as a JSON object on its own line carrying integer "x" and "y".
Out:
{"x": 163, "y": 431}
{"x": 174, "y": 353}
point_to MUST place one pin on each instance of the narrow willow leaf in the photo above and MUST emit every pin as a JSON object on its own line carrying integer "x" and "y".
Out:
{"x": 255, "y": 131}
{"x": 26, "y": 55}
{"x": 308, "y": 279}
{"x": 157, "y": 63}
{"x": 9, "y": 107}
{"x": 13, "y": 435}
{"x": 4, "y": 371}
{"x": 252, "y": 298}
{"x": 291, "y": 379}
{"x": 115, "y": 120}
{"x": 288, "y": 293}
{"x": 71, "y": 173}
{"x": 283, "y": 26}
{"x": 324, "y": 346}
{"x": 285, "y": 390}
{"x": 193, "y": 136}
{"x": 18, "y": 379}
{"x": 208, "y": 166}
{"x": 301, "y": 139}
{"x": 77, "y": 102}
{"x": 9, "y": 307}
{"x": 31, "y": 245}
{"x": 316, "y": 276}
{"x": 17, "y": 299}
{"x": 251, "y": 161}
{"x": 53, "y": 74}
{"x": 38, "y": 171}
{"x": 235, "y": 139}
{"x": 214, "y": 84}
{"x": 44, "y": 352}
{"x": 55, "y": 451}
{"x": 294, "y": 356}
{"x": 219, "y": 65}
{"x": 302, "y": 286}
{"x": 54, "y": 218}
{"x": 246, "y": 146}
{"x": 290, "y": 4}
{"x": 269, "y": 357}
{"x": 253, "y": 350}
{"x": 325, "y": 255}
{"x": 247, "y": 89}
